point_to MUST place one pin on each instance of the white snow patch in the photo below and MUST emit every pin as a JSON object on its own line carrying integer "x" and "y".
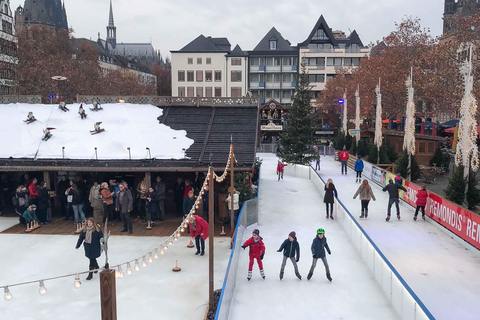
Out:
{"x": 126, "y": 125}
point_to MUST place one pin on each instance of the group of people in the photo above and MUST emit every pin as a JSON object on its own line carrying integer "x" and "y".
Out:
{"x": 32, "y": 201}
{"x": 291, "y": 251}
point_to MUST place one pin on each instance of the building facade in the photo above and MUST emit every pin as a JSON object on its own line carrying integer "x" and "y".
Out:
{"x": 324, "y": 52}
{"x": 461, "y": 7}
{"x": 273, "y": 69}
{"x": 8, "y": 50}
{"x": 50, "y": 13}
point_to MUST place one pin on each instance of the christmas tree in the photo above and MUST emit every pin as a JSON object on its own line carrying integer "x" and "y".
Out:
{"x": 455, "y": 190}
{"x": 402, "y": 167}
{"x": 473, "y": 193}
{"x": 297, "y": 140}
{"x": 437, "y": 158}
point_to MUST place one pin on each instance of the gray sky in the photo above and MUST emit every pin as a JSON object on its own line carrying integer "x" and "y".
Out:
{"x": 171, "y": 24}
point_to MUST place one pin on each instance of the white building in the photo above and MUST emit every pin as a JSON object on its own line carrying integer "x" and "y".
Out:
{"x": 324, "y": 52}
{"x": 8, "y": 50}
{"x": 206, "y": 67}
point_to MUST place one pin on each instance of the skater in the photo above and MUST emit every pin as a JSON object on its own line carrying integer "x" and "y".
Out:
{"x": 152, "y": 205}
{"x": 257, "y": 251}
{"x": 344, "y": 159}
{"x": 90, "y": 237}
{"x": 319, "y": 245}
{"x": 280, "y": 169}
{"x": 290, "y": 248}
{"x": 125, "y": 207}
{"x": 198, "y": 230}
{"x": 359, "y": 168}
{"x": 317, "y": 163}
{"x": 398, "y": 179}
{"x": 366, "y": 194}
{"x": 328, "y": 198}
{"x": 81, "y": 112}
{"x": 62, "y": 106}
{"x": 422, "y": 196}
{"x": 30, "y": 118}
{"x": 392, "y": 189}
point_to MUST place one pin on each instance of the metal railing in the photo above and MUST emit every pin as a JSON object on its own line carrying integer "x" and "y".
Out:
{"x": 171, "y": 101}
{"x": 32, "y": 99}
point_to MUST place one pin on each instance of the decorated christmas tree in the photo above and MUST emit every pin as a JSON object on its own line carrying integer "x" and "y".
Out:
{"x": 297, "y": 140}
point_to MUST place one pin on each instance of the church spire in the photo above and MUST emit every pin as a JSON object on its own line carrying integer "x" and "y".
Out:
{"x": 110, "y": 18}
{"x": 111, "y": 31}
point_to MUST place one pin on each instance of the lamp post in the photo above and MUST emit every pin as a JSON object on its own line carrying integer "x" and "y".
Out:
{"x": 58, "y": 79}
{"x": 409, "y": 137}
{"x": 378, "y": 121}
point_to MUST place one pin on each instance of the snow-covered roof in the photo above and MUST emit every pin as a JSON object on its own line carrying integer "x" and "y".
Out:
{"x": 126, "y": 125}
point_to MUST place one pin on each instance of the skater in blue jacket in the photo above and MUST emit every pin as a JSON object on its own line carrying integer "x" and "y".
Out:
{"x": 359, "y": 169}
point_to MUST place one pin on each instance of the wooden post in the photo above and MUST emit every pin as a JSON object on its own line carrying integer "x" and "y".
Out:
{"x": 148, "y": 179}
{"x": 46, "y": 178}
{"x": 108, "y": 294}
{"x": 211, "y": 231}
{"x": 232, "y": 192}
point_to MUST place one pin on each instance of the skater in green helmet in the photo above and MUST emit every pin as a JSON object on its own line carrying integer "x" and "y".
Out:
{"x": 319, "y": 245}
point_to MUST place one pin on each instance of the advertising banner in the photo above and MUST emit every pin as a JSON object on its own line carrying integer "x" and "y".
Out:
{"x": 377, "y": 175}
{"x": 367, "y": 170}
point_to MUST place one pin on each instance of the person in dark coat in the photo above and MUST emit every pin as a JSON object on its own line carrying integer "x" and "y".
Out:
{"x": 152, "y": 204}
{"x": 422, "y": 196}
{"x": 90, "y": 237}
{"x": 188, "y": 203}
{"x": 178, "y": 196}
{"x": 160, "y": 188}
{"x": 21, "y": 202}
{"x": 392, "y": 189}
{"x": 62, "y": 186}
{"x": 328, "y": 199}
{"x": 77, "y": 202}
{"x": 125, "y": 207}
{"x": 290, "y": 248}
{"x": 43, "y": 203}
{"x": 319, "y": 245}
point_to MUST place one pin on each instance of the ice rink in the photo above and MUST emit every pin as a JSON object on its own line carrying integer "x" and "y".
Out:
{"x": 293, "y": 205}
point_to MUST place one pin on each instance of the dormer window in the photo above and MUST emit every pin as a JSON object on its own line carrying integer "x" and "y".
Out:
{"x": 273, "y": 44}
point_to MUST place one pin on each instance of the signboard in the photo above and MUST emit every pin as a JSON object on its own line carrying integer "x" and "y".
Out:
{"x": 7, "y": 82}
{"x": 367, "y": 170}
{"x": 353, "y": 132}
{"x": 377, "y": 174}
{"x": 324, "y": 132}
{"x": 271, "y": 127}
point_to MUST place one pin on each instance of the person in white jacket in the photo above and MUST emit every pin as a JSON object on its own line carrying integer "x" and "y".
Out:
{"x": 236, "y": 198}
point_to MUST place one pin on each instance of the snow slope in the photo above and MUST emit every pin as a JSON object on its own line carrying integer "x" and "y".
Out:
{"x": 155, "y": 292}
{"x": 442, "y": 272}
{"x": 293, "y": 205}
{"x": 126, "y": 125}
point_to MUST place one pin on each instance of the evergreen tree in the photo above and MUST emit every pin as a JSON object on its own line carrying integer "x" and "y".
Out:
{"x": 245, "y": 191}
{"x": 373, "y": 154}
{"x": 363, "y": 148}
{"x": 437, "y": 158}
{"x": 455, "y": 190}
{"x": 402, "y": 167}
{"x": 473, "y": 193}
{"x": 297, "y": 140}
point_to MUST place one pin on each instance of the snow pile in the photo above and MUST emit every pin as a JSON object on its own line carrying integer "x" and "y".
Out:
{"x": 126, "y": 125}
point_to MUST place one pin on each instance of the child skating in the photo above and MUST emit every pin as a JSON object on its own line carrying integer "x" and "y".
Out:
{"x": 422, "y": 196}
{"x": 319, "y": 245}
{"x": 290, "y": 248}
{"x": 257, "y": 250}
{"x": 280, "y": 167}
{"x": 366, "y": 194}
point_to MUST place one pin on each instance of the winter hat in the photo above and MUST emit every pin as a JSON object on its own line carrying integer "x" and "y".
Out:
{"x": 292, "y": 234}
{"x": 256, "y": 231}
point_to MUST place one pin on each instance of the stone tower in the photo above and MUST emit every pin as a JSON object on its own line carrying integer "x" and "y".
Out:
{"x": 50, "y": 13}
{"x": 111, "y": 29}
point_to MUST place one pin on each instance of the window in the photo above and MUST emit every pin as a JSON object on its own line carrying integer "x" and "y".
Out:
{"x": 334, "y": 62}
{"x": 199, "y": 75}
{"x": 190, "y": 60}
{"x": 236, "y": 92}
{"x": 320, "y": 35}
{"x": 190, "y": 76}
{"x": 208, "y": 92}
{"x": 181, "y": 76}
{"x": 236, "y": 76}
{"x": 218, "y": 92}
{"x": 208, "y": 76}
{"x": 276, "y": 78}
{"x": 254, "y": 77}
{"x": 190, "y": 92}
{"x": 199, "y": 92}
{"x": 286, "y": 94}
{"x": 273, "y": 44}
{"x": 269, "y": 77}
{"x": 421, "y": 147}
{"x": 288, "y": 61}
{"x": 316, "y": 78}
{"x": 218, "y": 75}
{"x": 277, "y": 61}
{"x": 287, "y": 78}
{"x": 236, "y": 61}
{"x": 269, "y": 61}
{"x": 181, "y": 91}
{"x": 331, "y": 76}
{"x": 351, "y": 61}
{"x": 431, "y": 147}
{"x": 199, "y": 60}
{"x": 208, "y": 60}
{"x": 255, "y": 62}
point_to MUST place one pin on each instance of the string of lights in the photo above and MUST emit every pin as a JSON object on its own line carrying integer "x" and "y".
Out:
{"x": 142, "y": 260}
{"x": 409, "y": 138}
{"x": 357, "y": 113}
{"x": 378, "y": 119}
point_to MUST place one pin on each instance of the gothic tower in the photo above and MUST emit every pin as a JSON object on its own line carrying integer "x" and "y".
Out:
{"x": 111, "y": 29}
{"x": 50, "y": 13}
{"x": 449, "y": 10}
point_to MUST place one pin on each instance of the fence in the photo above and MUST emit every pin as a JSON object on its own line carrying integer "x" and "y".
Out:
{"x": 20, "y": 99}
{"x": 248, "y": 215}
{"x": 172, "y": 101}
{"x": 273, "y": 148}
{"x": 401, "y": 296}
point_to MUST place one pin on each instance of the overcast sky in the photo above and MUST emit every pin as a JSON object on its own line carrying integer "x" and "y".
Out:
{"x": 171, "y": 24}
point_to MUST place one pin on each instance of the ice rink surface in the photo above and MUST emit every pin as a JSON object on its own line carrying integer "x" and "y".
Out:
{"x": 293, "y": 205}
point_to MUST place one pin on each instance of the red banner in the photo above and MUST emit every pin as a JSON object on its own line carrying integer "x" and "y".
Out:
{"x": 463, "y": 223}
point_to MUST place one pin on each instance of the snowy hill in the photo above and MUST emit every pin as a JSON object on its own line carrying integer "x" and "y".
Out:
{"x": 126, "y": 125}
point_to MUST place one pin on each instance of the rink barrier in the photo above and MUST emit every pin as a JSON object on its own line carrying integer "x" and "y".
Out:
{"x": 402, "y": 298}
{"x": 247, "y": 216}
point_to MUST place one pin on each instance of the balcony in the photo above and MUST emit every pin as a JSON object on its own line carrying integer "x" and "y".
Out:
{"x": 289, "y": 68}
{"x": 321, "y": 50}
{"x": 314, "y": 67}
{"x": 273, "y": 68}
{"x": 261, "y": 68}
{"x": 272, "y": 85}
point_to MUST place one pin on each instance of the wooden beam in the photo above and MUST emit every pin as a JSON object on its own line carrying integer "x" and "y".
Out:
{"x": 107, "y": 169}
{"x": 108, "y": 294}
{"x": 207, "y": 135}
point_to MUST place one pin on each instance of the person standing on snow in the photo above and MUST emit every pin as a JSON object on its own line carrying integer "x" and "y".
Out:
{"x": 257, "y": 251}
{"x": 290, "y": 248}
{"x": 359, "y": 169}
{"x": 280, "y": 169}
{"x": 328, "y": 199}
{"x": 366, "y": 194}
{"x": 344, "y": 159}
{"x": 90, "y": 237}
{"x": 422, "y": 196}
{"x": 319, "y": 245}
{"x": 392, "y": 189}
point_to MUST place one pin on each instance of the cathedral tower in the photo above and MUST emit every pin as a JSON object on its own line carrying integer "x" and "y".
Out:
{"x": 111, "y": 29}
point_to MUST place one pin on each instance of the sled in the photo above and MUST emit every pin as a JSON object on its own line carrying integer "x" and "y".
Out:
{"x": 96, "y": 109}
{"x": 65, "y": 109}
{"x": 46, "y": 138}
{"x": 29, "y": 121}
{"x": 95, "y": 132}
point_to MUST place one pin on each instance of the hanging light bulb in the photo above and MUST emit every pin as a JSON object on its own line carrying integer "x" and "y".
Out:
{"x": 162, "y": 252}
{"x": 8, "y": 296}
{"x": 144, "y": 263}
{"x": 165, "y": 247}
{"x": 176, "y": 237}
{"x": 42, "y": 290}
{"x": 150, "y": 258}
{"x": 182, "y": 229}
{"x": 119, "y": 273}
{"x": 170, "y": 242}
{"x": 137, "y": 266}
{"x": 156, "y": 254}
{"x": 77, "y": 282}
{"x": 129, "y": 269}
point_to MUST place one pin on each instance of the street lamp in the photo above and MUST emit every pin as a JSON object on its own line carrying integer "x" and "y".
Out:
{"x": 58, "y": 79}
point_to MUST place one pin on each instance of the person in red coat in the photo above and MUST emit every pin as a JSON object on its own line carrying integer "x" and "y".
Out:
{"x": 280, "y": 167}
{"x": 32, "y": 192}
{"x": 199, "y": 231}
{"x": 188, "y": 187}
{"x": 344, "y": 159}
{"x": 422, "y": 196}
{"x": 257, "y": 250}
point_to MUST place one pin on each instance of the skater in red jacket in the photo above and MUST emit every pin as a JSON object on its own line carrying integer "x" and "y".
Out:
{"x": 257, "y": 250}
{"x": 280, "y": 167}
{"x": 199, "y": 231}
{"x": 422, "y": 196}
{"x": 344, "y": 159}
